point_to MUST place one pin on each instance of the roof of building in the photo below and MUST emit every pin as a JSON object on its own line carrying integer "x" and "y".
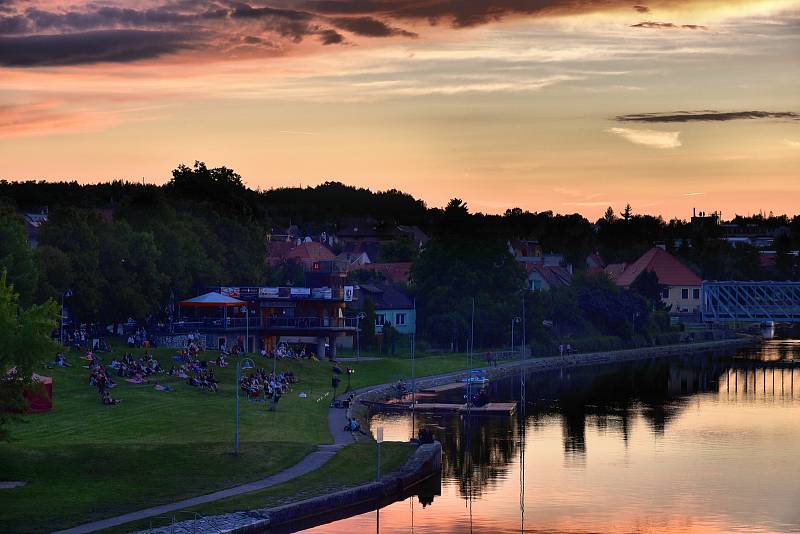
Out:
{"x": 311, "y": 251}
{"x": 670, "y": 271}
{"x": 385, "y": 296}
{"x": 613, "y": 270}
{"x": 555, "y": 276}
{"x": 212, "y": 299}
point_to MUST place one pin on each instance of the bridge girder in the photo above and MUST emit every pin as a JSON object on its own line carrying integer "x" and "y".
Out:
{"x": 751, "y": 301}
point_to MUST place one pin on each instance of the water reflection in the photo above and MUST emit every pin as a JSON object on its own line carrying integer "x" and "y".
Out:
{"x": 701, "y": 443}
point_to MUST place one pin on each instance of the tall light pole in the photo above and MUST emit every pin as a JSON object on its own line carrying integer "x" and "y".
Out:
{"x": 245, "y": 363}
{"x": 359, "y": 316}
{"x": 65, "y": 294}
{"x": 514, "y": 319}
{"x": 247, "y": 329}
{"x": 414, "y": 372}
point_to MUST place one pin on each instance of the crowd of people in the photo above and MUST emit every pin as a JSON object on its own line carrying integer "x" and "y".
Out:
{"x": 136, "y": 370}
{"x": 286, "y": 352}
{"x": 270, "y": 385}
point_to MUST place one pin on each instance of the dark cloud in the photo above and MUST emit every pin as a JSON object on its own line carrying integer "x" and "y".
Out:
{"x": 461, "y": 13}
{"x": 668, "y": 25}
{"x": 88, "y": 47}
{"x": 642, "y": 9}
{"x": 650, "y": 24}
{"x": 369, "y": 27}
{"x": 247, "y": 11}
{"x": 329, "y": 37}
{"x": 707, "y": 116}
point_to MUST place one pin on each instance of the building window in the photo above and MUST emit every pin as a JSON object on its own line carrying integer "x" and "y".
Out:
{"x": 696, "y": 294}
{"x": 399, "y": 319}
{"x": 685, "y": 294}
{"x": 665, "y": 293}
{"x": 379, "y": 319}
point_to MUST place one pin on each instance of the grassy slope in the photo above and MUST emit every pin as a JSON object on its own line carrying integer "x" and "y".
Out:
{"x": 335, "y": 475}
{"x": 84, "y": 461}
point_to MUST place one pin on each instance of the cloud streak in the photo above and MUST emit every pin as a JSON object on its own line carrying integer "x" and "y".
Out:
{"x": 707, "y": 116}
{"x": 668, "y": 26}
{"x": 649, "y": 138}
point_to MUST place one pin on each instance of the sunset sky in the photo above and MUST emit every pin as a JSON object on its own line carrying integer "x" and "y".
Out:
{"x": 563, "y": 105}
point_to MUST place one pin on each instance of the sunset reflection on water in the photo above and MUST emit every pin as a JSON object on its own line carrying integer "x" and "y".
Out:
{"x": 700, "y": 444}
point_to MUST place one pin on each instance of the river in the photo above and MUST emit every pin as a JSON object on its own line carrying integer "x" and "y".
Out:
{"x": 706, "y": 443}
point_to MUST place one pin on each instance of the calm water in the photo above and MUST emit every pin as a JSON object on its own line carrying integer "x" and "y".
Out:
{"x": 696, "y": 444}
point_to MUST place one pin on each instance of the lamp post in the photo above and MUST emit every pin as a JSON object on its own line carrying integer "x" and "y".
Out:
{"x": 247, "y": 329}
{"x": 514, "y": 320}
{"x": 359, "y": 316}
{"x": 65, "y": 294}
{"x": 245, "y": 363}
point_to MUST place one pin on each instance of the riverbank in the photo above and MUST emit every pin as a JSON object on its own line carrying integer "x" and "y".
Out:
{"x": 388, "y": 391}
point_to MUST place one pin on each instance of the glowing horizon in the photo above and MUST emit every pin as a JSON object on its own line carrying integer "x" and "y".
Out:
{"x": 537, "y": 104}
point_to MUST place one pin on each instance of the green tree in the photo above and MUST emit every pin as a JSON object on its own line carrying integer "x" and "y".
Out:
{"x": 24, "y": 341}
{"x": 397, "y": 250}
{"x": 367, "y": 324}
{"x": 16, "y": 256}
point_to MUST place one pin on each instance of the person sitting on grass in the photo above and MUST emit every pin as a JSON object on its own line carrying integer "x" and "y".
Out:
{"x": 108, "y": 400}
{"x": 159, "y": 387}
{"x": 221, "y": 362}
{"x": 61, "y": 361}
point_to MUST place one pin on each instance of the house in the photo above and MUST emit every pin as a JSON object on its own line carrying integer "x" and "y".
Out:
{"x": 682, "y": 287}
{"x": 392, "y": 305}
{"x": 525, "y": 250}
{"x": 310, "y": 252}
{"x": 546, "y": 277}
{"x": 352, "y": 260}
{"x": 33, "y": 221}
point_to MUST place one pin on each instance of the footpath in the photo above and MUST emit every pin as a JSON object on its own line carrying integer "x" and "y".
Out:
{"x": 337, "y": 417}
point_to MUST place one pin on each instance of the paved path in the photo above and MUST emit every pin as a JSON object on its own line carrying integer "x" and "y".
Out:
{"x": 337, "y": 418}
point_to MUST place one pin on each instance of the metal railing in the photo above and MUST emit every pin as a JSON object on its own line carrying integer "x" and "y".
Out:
{"x": 278, "y": 323}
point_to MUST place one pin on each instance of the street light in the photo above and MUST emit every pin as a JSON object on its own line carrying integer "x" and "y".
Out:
{"x": 514, "y": 320}
{"x": 65, "y": 294}
{"x": 245, "y": 363}
{"x": 359, "y": 316}
{"x": 246, "y": 310}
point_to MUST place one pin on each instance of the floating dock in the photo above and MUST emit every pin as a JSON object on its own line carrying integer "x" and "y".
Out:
{"x": 491, "y": 408}
{"x": 446, "y": 387}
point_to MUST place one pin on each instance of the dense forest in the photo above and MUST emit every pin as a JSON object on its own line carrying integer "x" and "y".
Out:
{"x": 126, "y": 249}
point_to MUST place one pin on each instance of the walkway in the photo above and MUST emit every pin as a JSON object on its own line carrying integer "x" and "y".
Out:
{"x": 336, "y": 422}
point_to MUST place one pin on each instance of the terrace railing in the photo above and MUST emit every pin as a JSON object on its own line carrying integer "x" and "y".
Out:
{"x": 277, "y": 323}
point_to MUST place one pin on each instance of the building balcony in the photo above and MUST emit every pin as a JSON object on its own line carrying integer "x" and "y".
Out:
{"x": 267, "y": 324}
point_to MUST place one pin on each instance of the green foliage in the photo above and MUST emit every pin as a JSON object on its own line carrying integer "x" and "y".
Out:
{"x": 453, "y": 270}
{"x": 367, "y": 324}
{"x": 16, "y": 257}
{"x": 397, "y": 250}
{"x": 24, "y": 341}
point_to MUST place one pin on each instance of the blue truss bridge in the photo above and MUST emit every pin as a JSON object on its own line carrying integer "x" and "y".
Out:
{"x": 751, "y": 301}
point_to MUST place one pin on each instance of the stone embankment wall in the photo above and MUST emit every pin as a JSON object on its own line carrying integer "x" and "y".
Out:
{"x": 387, "y": 391}
{"x": 423, "y": 464}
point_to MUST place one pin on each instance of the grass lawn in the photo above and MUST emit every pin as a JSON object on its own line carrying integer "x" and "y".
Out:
{"x": 335, "y": 475}
{"x": 84, "y": 461}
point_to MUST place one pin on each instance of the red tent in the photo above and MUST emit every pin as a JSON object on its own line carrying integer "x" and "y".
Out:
{"x": 40, "y": 395}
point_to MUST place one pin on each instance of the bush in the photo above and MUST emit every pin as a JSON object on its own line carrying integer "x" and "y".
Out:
{"x": 596, "y": 343}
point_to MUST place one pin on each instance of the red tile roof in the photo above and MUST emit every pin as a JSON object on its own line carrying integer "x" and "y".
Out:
{"x": 669, "y": 270}
{"x": 613, "y": 270}
{"x": 312, "y": 251}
